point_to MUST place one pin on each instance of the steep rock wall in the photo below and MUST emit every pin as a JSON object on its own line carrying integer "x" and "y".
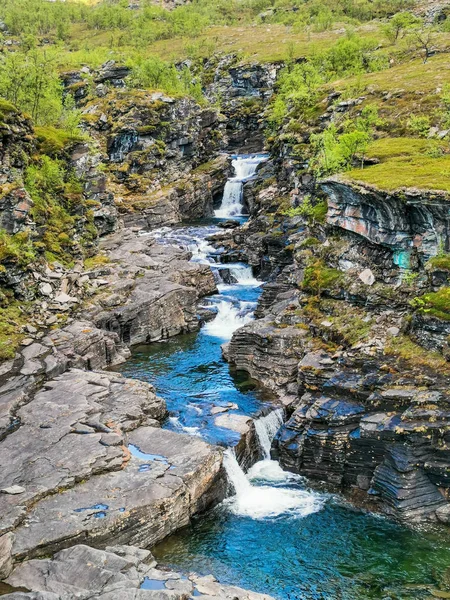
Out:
{"x": 414, "y": 224}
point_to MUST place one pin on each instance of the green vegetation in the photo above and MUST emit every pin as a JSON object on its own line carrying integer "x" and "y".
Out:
{"x": 406, "y": 163}
{"x": 319, "y": 277}
{"x": 435, "y": 304}
{"x": 313, "y": 211}
{"x": 53, "y": 141}
{"x": 402, "y": 347}
{"x": 58, "y": 209}
{"x": 17, "y": 249}
{"x": 96, "y": 261}
{"x": 12, "y": 319}
{"x": 29, "y": 80}
{"x": 441, "y": 262}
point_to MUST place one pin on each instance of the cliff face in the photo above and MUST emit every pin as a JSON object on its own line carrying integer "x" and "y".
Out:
{"x": 414, "y": 225}
{"x": 243, "y": 92}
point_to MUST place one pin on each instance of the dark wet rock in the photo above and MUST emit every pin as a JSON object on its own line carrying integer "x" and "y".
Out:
{"x": 15, "y": 209}
{"x": 431, "y": 333}
{"x": 247, "y": 448}
{"x": 269, "y": 354}
{"x": 190, "y": 198}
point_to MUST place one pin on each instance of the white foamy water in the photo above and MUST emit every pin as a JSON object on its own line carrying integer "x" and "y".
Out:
{"x": 229, "y": 318}
{"x": 267, "y": 501}
{"x": 175, "y": 421}
{"x": 243, "y": 275}
{"x": 232, "y": 203}
{"x": 266, "y": 429}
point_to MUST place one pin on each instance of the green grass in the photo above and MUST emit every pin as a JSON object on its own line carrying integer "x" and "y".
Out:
{"x": 404, "y": 164}
{"x": 410, "y": 76}
{"x": 265, "y": 43}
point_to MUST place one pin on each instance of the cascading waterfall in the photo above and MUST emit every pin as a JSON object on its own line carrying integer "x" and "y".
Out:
{"x": 266, "y": 429}
{"x": 257, "y": 494}
{"x": 229, "y": 318}
{"x": 333, "y": 553}
{"x": 232, "y": 203}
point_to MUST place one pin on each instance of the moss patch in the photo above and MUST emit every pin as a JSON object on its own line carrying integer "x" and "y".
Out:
{"x": 53, "y": 141}
{"x": 12, "y": 319}
{"x": 404, "y": 348}
{"x": 439, "y": 263}
{"x": 319, "y": 277}
{"x": 435, "y": 304}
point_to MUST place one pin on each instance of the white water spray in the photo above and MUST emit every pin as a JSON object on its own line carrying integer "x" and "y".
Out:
{"x": 232, "y": 203}
{"x": 229, "y": 318}
{"x": 266, "y": 429}
{"x": 267, "y": 501}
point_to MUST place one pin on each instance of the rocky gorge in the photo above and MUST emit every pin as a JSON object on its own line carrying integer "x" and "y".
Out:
{"x": 214, "y": 356}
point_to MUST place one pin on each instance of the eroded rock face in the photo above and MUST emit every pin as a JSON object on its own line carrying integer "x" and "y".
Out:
{"x": 151, "y": 292}
{"x": 415, "y": 222}
{"x": 188, "y": 199}
{"x": 269, "y": 355}
{"x": 360, "y": 427}
{"x": 125, "y": 571}
{"x": 244, "y": 91}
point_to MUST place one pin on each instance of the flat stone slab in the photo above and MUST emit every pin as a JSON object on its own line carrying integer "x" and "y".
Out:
{"x": 166, "y": 480}
{"x": 71, "y": 430}
{"x": 124, "y": 572}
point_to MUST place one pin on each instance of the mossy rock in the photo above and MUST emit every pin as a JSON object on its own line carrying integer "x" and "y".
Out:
{"x": 53, "y": 141}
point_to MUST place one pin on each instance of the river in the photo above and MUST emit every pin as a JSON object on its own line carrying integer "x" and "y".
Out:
{"x": 274, "y": 534}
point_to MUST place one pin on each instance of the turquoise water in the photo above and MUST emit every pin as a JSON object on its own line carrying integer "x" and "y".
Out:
{"x": 335, "y": 553}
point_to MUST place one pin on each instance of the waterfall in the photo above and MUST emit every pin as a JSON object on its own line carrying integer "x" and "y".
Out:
{"x": 266, "y": 429}
{"x": 236, "y": 475}
{"x": 232, "y": 202}
{"x": 243, "y": 274}
{"x": 229, "y": 318}
{"x": 262, "y": 501}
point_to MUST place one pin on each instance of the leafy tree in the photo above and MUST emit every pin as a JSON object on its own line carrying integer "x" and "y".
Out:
{"x": 30, "y": 81}
{"x": 399, "y": 23}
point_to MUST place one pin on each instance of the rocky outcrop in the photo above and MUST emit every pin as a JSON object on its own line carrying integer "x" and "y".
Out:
{"x": 188, "y": 199}
{"x": 127, "y": 571}
{"x": 151, "y": 290}
{"x": 87, "y": 461}
{"x": 168, "y": 478}
{"x": 413, "y": 224}
{"x": 268, "y": 354}
{"x": 244, "y": 90}
{"x": 153, "y": 138}
{"x": 85, "y": 457}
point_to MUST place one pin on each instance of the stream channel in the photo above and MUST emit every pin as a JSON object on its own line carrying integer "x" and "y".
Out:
{"x": 275, "y": 535}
